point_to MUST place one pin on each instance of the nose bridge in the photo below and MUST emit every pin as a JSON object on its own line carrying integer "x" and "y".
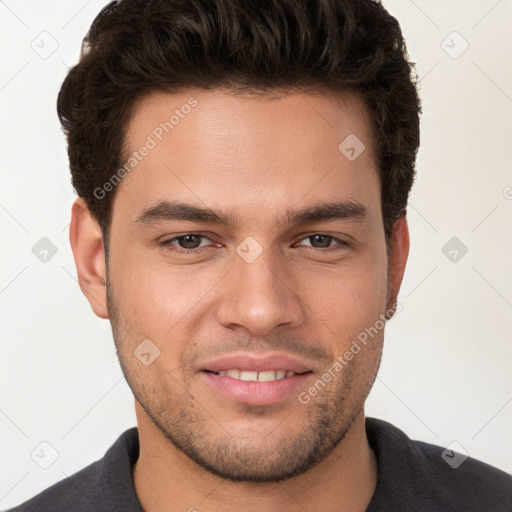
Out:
{"x": 260, "y": 292}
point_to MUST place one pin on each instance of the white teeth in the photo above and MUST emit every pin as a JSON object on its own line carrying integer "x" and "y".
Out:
{"x": 248, "y": 375}
{"x": 267, "y": 375}
{"x": 264, "y": 376}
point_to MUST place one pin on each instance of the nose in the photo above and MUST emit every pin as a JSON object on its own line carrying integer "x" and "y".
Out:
{"x": 259, "y": 296}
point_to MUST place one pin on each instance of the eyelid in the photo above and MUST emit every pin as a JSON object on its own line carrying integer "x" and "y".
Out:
{"x": 168, "y": 240}
{"x": 341, "y": 243}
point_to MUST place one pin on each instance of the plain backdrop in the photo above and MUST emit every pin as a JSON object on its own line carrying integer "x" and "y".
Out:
{"x": 446, "y": 370}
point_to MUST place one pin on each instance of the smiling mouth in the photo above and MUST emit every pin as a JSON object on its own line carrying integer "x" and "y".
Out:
{"x": 253, "y": 376}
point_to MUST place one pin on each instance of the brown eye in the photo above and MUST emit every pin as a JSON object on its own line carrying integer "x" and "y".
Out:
{"x": 189, "y": 243}
{"x": 322, "y": 241}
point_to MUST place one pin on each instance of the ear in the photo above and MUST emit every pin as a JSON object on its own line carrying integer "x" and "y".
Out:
{"x": 399, "y": 251}
{"x": 87, "y": 245}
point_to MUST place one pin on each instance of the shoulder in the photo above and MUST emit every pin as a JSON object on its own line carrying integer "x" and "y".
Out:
{"x": 104, "y": 485}
{"x": 80, "y": 491}
{"x": 422, "y": 476}
{"x": 458, "y": 477}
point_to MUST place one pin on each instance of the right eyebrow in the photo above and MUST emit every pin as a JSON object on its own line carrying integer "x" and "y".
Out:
{"x": 174, "y": 210}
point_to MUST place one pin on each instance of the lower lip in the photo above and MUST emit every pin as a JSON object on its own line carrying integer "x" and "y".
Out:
{"x": 255, "y": 392}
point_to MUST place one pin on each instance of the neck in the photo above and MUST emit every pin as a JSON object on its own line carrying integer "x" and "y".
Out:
{"x": 166, "y": 479}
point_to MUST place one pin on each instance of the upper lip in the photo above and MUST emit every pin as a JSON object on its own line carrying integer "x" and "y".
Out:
{"x": 256, "y": 363}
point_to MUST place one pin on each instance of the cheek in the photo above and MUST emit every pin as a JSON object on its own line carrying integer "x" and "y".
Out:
{"x": 351, "y": 294}
{"x": 350, "y": 301}
{"x": 156, "y": 298}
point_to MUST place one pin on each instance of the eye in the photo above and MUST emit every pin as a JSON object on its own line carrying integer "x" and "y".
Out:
{"x": 322, "y": 241}
{"x": 192, "y": 243}
{"x": 189, "y": 243}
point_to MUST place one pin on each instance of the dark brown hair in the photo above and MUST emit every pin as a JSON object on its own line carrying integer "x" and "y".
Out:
{"x": 136, "y": 46}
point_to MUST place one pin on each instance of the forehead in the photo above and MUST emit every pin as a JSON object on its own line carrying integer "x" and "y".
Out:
{"x": 257, "y": 153}
{"x": 221, "y": 115}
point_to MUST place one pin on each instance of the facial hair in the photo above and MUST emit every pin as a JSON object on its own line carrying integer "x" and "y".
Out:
{"x": 242, "y": 456}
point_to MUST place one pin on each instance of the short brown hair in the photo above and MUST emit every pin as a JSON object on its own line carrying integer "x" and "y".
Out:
{"x": 137, "y": 46}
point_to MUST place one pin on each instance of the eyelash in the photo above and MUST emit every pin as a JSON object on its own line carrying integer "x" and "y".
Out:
{"x": 341, "y": 244}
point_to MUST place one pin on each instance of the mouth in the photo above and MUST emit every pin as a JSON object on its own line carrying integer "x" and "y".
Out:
{"x": 256, "y": 379}
{"x": 253, "y": 376}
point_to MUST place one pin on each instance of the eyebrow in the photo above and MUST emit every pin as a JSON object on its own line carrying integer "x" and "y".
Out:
{"x": 326, "y": 211}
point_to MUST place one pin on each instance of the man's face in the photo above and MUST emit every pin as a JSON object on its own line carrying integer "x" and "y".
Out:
{"x": 264, "y": 291}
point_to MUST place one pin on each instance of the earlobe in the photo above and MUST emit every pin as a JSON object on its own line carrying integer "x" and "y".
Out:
{"x": 399, "y": 252}
{"x": 89, "y": 253}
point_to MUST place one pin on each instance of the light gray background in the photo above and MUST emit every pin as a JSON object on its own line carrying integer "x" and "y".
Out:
{"x": 446, "y": 370}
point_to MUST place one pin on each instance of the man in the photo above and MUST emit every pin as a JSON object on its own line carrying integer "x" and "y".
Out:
{"x": 243, "y": 170}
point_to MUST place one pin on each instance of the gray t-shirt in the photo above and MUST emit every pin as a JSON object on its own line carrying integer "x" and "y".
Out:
{"x": 412, "y": 477}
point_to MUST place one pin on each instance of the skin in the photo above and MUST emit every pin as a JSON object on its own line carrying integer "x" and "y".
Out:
{"x": 253, "y": 158}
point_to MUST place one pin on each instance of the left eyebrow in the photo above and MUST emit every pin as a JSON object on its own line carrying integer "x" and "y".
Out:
{"x": 320, "y": 212}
